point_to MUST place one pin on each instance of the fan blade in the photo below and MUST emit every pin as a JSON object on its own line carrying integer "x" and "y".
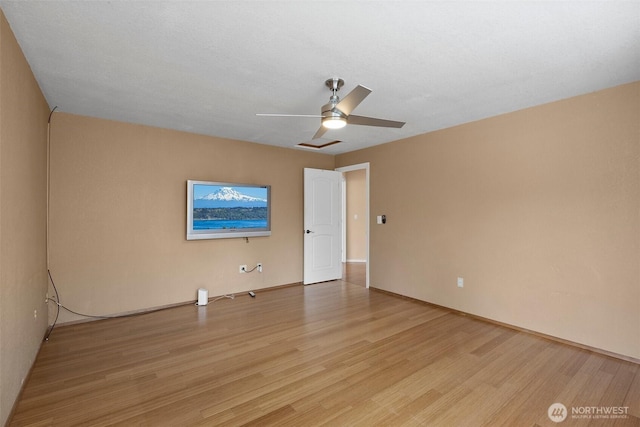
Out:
{"x": 316, "y": 116}
{"x": 370, "y": 121}
{"x": 353, "y": 99}
{"x": 319, "y": 133}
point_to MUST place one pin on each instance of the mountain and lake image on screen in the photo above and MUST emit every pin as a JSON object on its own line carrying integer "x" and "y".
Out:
{"x": 220, "y": 207}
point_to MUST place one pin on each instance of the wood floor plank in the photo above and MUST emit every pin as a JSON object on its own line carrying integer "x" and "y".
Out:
{"x": 333, "y": 353}
{"x": 633, "y": 395}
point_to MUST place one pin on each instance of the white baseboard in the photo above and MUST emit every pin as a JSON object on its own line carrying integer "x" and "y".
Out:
{"x": 356, "y": 260}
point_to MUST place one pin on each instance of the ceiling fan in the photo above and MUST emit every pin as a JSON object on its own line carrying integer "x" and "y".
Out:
{"x": 337, "y": 113}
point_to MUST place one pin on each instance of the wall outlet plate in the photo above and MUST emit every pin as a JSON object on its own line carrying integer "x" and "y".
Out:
{"x": 460, "y": 282}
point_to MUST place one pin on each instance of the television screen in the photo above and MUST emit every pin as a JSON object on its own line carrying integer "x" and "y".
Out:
{"x": 224, "y": 210}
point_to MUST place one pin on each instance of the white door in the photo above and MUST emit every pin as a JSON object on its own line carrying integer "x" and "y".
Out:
{"x": 322, "y": 225}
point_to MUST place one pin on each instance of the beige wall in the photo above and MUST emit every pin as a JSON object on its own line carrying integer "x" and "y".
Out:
{"x": 537, "y": 210}
{"x": 23, "y": 272}
{"x": 118, "y": 215}
{"x": 356, "y": 215}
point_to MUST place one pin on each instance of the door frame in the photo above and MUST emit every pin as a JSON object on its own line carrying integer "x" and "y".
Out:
{"x": 366, "y": 167}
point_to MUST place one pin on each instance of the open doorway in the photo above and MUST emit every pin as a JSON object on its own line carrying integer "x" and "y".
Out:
{"x": 355, "y": 233}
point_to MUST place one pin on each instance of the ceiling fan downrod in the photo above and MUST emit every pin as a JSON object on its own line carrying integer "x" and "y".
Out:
{"x": 334, "y": 85}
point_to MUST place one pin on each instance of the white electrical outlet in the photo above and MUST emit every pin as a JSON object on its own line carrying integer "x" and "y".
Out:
{"x": 35, "y": 314}
{"x": 259, "y": 267}
{"x": 242, "y": 268}
{"x": 460, "y": 282}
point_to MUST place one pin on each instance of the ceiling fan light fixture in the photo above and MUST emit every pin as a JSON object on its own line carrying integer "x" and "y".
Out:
{"x": 334, "y": 122}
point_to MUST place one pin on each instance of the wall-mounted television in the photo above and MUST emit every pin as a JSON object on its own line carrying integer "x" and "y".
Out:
{"x": 218, "y": 210}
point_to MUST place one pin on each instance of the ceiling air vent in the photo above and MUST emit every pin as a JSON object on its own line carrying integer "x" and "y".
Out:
{"x": 318, "y": 147}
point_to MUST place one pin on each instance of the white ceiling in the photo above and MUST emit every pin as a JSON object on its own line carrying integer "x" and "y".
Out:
{"x": 209, "y": 67}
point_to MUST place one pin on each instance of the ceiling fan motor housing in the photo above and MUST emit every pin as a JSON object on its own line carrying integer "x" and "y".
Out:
{"x": 328, "y": 110}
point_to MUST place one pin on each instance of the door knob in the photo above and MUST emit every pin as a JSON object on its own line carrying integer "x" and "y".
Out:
{"x": 308, "y": 231}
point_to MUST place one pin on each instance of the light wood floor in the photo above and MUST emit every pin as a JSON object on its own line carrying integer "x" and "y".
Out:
{"x": 328, "y": 354}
